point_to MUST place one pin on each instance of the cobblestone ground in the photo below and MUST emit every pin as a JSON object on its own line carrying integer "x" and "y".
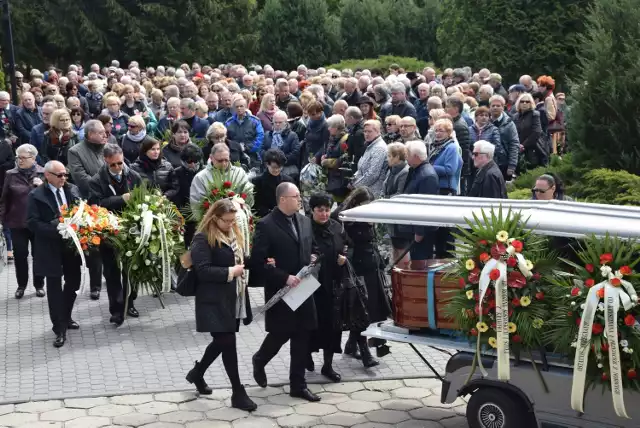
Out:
{"x": 411, "y": 403}
{"x": 151, "y": 354}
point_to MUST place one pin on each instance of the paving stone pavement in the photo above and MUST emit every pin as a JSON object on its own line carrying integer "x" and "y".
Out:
{"x": 145, "y": 355}
{"x": 412, "y": 403}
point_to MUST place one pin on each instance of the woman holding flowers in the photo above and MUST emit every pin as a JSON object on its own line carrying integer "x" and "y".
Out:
{"x": 217, "y": 255}
{"x": 333, "y": 157}
{"x": 155, "y": 170}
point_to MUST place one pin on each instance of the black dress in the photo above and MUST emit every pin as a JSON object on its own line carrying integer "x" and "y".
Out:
{"x": 330, "y": 240}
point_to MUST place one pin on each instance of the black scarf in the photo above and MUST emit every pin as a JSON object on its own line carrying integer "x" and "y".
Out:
{"x": 150, "y": 164}
{"x": 437, "y": 148}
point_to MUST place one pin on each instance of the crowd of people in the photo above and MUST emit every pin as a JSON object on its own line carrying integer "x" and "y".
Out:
{"x": 371, "y": 134}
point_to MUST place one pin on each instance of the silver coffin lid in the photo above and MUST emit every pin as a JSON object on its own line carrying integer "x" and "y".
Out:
{"x": 554, "y": 218}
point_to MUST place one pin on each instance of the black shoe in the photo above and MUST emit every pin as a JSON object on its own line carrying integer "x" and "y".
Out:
{"x": 305, "y": 394}
{"x": 133, "y": 312}
{"x": 117, "y": 320}
{"x": 351, "y": 348}
{"x": 310, "y": 366}
{"x": 196, "y": 377}
{"x": 240, "y": 400}
{"x": 259, "y": 374}
{"x": 73, "y": 325}
{"x": 19, "y": 293}
{"x": 59, "y": 342}
{"x": 330, "y": 374}
{"x": 40, "y": 292}
{"x": 382, "y": 351}
{"x": 95, "y": 295}
{"x": 367, "y": 359}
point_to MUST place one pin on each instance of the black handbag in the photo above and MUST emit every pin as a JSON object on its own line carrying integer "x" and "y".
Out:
{"x": 350, "y": 298}
{"x": 187, "y": 282}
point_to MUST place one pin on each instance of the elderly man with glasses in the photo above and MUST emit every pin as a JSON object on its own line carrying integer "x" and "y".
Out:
{"x": 488, "y": 182}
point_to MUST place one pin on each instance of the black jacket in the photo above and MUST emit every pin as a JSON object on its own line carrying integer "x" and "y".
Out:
{"x": 7, "y": 159}
{"x": 264, "y": 188}
{"x": 24, "y": 122}
{"x": 49, "y": 151}
{"x": 171, "y": 155}
{"x": 184, "y": 176}
{"x": 352, "y": 99}
{"x": 529, "y": 132}
{"x": 49, "y": 249}
{"x": 489, "y": 183}
{"x": 236, "y": 154}
{"x": 315, "y": 143}
{"x": 158, "y": 174}
{"x": 464, "y": 139}
{"x": 421, "y": 180}
{"x": 215, "y": 295}
{"x": 106, "y": 192}
{"x": 290, "y": 146}
{"x": 131, "y": 149}
{"x": 403, "y": 109}
{"x": 356, "y": 143}
{"x": 274, "y": 239}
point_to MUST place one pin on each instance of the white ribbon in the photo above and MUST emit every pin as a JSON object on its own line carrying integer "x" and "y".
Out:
{"x": 67, "y": 231}
{"x": 613, "y": 296}
{"x": 146, "y": 225}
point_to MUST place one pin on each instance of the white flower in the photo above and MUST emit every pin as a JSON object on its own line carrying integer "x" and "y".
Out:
{"x": 573, "y": 303}
{"x": 510, "y": 240}
{"x": 624, "y": 343}
{"x": 582, "y": 306}
{"x": 626, "y": 350}
{"x": 630, "y": 351}
{"x": 529, "y": 264}
{"x": 567, "y": 295}
{"x": 144, "y": 207}
{"x": 136, "y": 217}
{"x": 605, "y": 271}
{"x": 135, "y": 267}
{"x": 146, "y": 244}
{"x": 510, "y": 250}
{"x": 574, "y": 344}
{"x": 147, "y": 198}
{"x": 600, "y": 365}
{"x": 138, "y": 240}
{"x": 147, "y": 262}
{"x": 601, "y": 307}
{"x": 128, "y": 254}
{"x": 181, "y": 238}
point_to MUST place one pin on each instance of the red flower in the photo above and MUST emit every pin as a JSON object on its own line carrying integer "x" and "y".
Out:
{"x": 488, "y": 293}
{"x": 600, "y": 293}
{"x": 494, "y": 274}
{"x": 604, "y": 347}
{"x": 230, "y": 194}
{"x": 589, "y": 268}
{"x": 515, "y": 302}
{"x": 578, "y": 321}
{"x": 115, "y": 232}
{"x": 484, "y": 257}
{"x": 629, "y": 320}
{"x": 498, "y": 250}
{"x": 569, "y": 314}
{"x": 605, "y": 377}
{"x": 540, "y": 295}
{"x": 536, "y": 276}
{"x": 606, "y": 258}
{"x": 226, "y": 184}
{"x": 461, "y": 282}
{"x": 474, "y": 276}
{"x": 575, "y": 291}
{"x": 214, "y": 192}
{"x": 483, "y": 243}
{"x": 625, "y": 270}
{"x": 493, "y": 325}
{"x": 243, "y": 195}
{"x": 492, "y": 304}
{"x": 206, "y": 205}
{"x": 597, "y": 328}
{"x": 632, "y": 374}
{"x": 516, "y": 279}
{"x": 516, "y": 338}
{"x": 512, "y": 262}
{"x": 344, "y": 147}
{"x": 473, "y": 332}
{"x": 615, "y": 282}
{"x": 510, "y": 312}
{"x": 517, "y": 245}
{"x": 589, "y": 283}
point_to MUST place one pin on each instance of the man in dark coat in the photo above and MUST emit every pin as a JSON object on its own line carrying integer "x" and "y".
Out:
{"x": 26, "y": 118}
{"x": 398, "y": 105}
{"x": 285, "y": 236}
{"x": 53, "y": 258}
{"x": 489, "y": 182}
{"x": 355, "y": 124}
{"x": 454, "y": 109}
{"x": 110, "y": 188}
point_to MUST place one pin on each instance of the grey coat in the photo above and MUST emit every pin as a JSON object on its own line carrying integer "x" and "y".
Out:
{"x": 372, "y": 167}
{"x": 393, "y": 185}
{"x": 85, "y": 160}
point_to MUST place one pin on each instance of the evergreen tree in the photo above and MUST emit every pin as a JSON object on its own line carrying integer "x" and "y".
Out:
{"x": 366, "y": 28}
{"x": 604, "y": 122}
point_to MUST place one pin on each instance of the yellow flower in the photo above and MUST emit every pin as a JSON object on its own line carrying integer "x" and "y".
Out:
{"x": 537, "y": 323}
{"x": 469, "y": 294}
{"x": 512, "y": 327}
{"x": 529, "y": 264}
{"x": 493, "y": 342}
{"x": 470, "y": 264}
{"x": 502, "y": 236}
{"x": 482, "y": 327}
{"x": 525, "y": 301}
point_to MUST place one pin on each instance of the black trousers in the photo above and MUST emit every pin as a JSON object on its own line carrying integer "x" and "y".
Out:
{"x": 21, "y": 238}
{"x": 299, "y": 344}
{"x": 117, "y": 281}
{"x": 94, "y": 263}
{"x": 61, "y": 299}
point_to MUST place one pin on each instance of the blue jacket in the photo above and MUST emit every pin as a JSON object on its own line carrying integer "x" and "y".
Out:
{"x": 290, "y": 146}
{"x": 37, "y": 135}
{"x": 249, "y": 132}
{"x": 25, "y": 120}
{"x": 422, "y": 120}
{"x": 448, "y": 165}
{"x": 223, "y": 115}
{"x": 200, "y": 127}
{"x": 490, "y": 133}
{"x": 509, "y": 141}
{"x": 421, "y": 180}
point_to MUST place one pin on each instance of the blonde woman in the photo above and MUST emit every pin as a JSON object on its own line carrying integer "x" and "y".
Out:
{"x": 527, "y": 121}
{"x": 267, "y": 109}
{"x": 120, "y": 119}
{"x": 59, "y": 138}
{"x": 218, "y": 259}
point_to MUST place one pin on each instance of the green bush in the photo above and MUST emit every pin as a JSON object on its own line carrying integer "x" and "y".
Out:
{"x": 605, "y": 186}
{"x": 382, "y": 62}
{"x": 563, "y": 167}
{"x": 520, "y": 194}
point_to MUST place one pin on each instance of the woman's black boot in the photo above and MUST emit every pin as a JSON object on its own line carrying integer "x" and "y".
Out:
{"x": 351, "y": 347}
{"x": 196, "y": 377}
{"x": 240, "y": 400}
{"x": 367, "y": 359}
{"x": 327, "y": 369}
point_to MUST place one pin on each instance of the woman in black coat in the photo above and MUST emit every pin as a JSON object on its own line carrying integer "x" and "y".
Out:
{"x": 217, "y": 256}
{"x": 367, "y": 263}
{"x": 316, "y": 137}
{"x": 264, "y": 185}
{"x": 156, "y": 171}
{"x": 527, "y": 121}
{"x": 191, "y": 159}
{"x": 329, "y": 238}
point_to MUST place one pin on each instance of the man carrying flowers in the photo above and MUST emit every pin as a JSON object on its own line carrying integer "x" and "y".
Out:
{"x": 110, "y": 188}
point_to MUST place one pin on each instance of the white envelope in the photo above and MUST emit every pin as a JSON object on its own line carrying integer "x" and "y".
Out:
{"x": 298, "y": 295}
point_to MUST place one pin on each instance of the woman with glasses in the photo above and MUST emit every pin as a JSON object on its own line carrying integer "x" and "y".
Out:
{"x": 527, "y": 121}
{"x": 155, "y": 170}
{"x": 548, "y": 187}
{"x": 392, "y": 126}
{"x": 18, "y": 183}
{"x": 265, "y": 184}
{"x": 255, "y": 105}
{"x": 59, "y": 138}
{"x": 107, "y": 122}
{"x": 217, "y": 133}
{"x": 78, "y": 120}
{"x": 134, "y": 138}
{"x": 120, "y": 119}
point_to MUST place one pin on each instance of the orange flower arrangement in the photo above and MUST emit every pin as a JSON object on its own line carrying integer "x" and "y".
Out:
{"x": 89, "y": 225}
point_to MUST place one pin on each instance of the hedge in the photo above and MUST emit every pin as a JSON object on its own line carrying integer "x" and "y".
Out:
{"x": 382, "y": 63}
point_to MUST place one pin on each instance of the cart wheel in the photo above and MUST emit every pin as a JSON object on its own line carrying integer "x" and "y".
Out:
{"x": 492, "y": 408}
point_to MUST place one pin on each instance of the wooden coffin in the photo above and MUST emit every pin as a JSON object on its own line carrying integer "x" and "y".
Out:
{"x": 419, "y": 297}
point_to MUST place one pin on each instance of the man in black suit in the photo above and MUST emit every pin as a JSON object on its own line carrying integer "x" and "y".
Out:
{"x": 286, "y": 236}
{"x": 52, "y": 257}
{"x": 110, "y": 188}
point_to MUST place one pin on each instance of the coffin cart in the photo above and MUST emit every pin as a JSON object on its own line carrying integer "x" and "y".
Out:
{"x": 521, "y": 402}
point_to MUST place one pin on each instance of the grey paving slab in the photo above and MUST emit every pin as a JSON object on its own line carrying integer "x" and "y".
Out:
{"x": 148, "y": 355}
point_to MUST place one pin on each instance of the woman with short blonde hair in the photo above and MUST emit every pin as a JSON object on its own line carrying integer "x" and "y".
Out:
{"x": 59, "y": 138}
{"x": 527, "y": 120}
{"x": 267, "y": 109}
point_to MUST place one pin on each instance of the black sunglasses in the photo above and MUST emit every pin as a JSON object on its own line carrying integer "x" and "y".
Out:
{"x": 535, "y": 190}
{"x": 116, "y": 164}
{"x": 61, "y": 175}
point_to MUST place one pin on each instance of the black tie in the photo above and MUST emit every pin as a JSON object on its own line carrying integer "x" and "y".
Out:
{"x": 59, "y": 198}
{"x": 293, "y": 227}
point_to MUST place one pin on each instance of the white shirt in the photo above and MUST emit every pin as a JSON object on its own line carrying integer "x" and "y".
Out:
{"x": 55, "y": 191}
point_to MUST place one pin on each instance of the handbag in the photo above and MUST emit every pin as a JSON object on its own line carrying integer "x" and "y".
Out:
{"x": 187, "y": 282}
{"x": 350, "y": 297}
